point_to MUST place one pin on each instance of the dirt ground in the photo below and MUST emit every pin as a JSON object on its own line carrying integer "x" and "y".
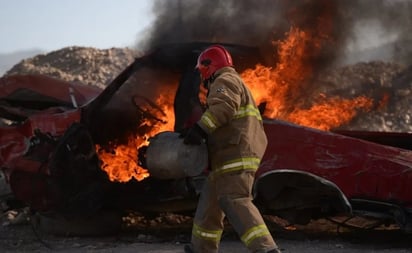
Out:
{"x": 167, "y": 235}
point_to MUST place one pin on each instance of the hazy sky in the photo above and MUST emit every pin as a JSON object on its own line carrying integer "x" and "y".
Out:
{"x": 53, "y": 24}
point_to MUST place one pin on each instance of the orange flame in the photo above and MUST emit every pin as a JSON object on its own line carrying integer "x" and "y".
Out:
{"x": 331, "y": 113}
{"x": 280, "y": 86}
{"x": 120, "y": 163}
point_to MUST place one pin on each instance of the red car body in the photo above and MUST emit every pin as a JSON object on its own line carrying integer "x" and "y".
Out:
{"x": 42, "y": 104}
{"x": 328, "y": 172}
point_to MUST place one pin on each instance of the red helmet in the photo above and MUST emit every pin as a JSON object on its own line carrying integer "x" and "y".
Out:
{"x": 212, "y": 59}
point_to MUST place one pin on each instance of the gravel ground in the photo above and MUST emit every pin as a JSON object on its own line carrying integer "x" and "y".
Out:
{"x": 319, "y": 236}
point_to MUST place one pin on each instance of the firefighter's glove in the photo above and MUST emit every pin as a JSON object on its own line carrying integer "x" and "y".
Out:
{"x": 195, "y": 136}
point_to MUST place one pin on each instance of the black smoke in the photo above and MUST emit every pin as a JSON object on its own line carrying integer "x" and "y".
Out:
{"x": 230, "y": 21}
{"x": 259, "y": 23}
{"x": 242, "y": 22}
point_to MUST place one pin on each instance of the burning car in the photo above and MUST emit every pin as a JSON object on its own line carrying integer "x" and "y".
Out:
{"x": 77, "y": 150}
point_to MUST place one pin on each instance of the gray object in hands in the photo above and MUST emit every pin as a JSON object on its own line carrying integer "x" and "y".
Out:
{"x": 167, "y": 157}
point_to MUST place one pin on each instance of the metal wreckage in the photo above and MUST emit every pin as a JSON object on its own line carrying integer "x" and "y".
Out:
{"x": 77, "y": 150}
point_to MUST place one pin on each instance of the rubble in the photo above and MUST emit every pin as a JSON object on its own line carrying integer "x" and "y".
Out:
{"x": 78, "y": 64}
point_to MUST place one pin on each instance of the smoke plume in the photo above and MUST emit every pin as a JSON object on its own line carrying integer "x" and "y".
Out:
{"x": 355, "y": 24}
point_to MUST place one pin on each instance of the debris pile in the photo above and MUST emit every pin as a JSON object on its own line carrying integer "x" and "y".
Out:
{"x": 78, "y": 64}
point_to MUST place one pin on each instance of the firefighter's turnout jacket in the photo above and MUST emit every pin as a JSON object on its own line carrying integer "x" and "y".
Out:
{"x": 236, "y": 138}
{"x": 236, "y": 144}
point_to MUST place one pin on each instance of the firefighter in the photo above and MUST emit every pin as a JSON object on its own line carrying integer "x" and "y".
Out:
{"x": 233, "y": 130}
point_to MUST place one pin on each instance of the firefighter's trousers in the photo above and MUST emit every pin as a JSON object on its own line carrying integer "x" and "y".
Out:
{"x": 229, "y": 194}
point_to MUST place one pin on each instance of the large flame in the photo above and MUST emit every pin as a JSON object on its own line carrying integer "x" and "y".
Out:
{"x": 282, "y": 87}
{"x": 121, "y": 161}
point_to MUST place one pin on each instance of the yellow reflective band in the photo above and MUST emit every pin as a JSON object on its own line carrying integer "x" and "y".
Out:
{"x": 209, "y": 121}
{"x": 210, "y": 235}
{"x": 248, "y": 110}
{"x": 250, "y": 163}
{"x": 253, "y": 233}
